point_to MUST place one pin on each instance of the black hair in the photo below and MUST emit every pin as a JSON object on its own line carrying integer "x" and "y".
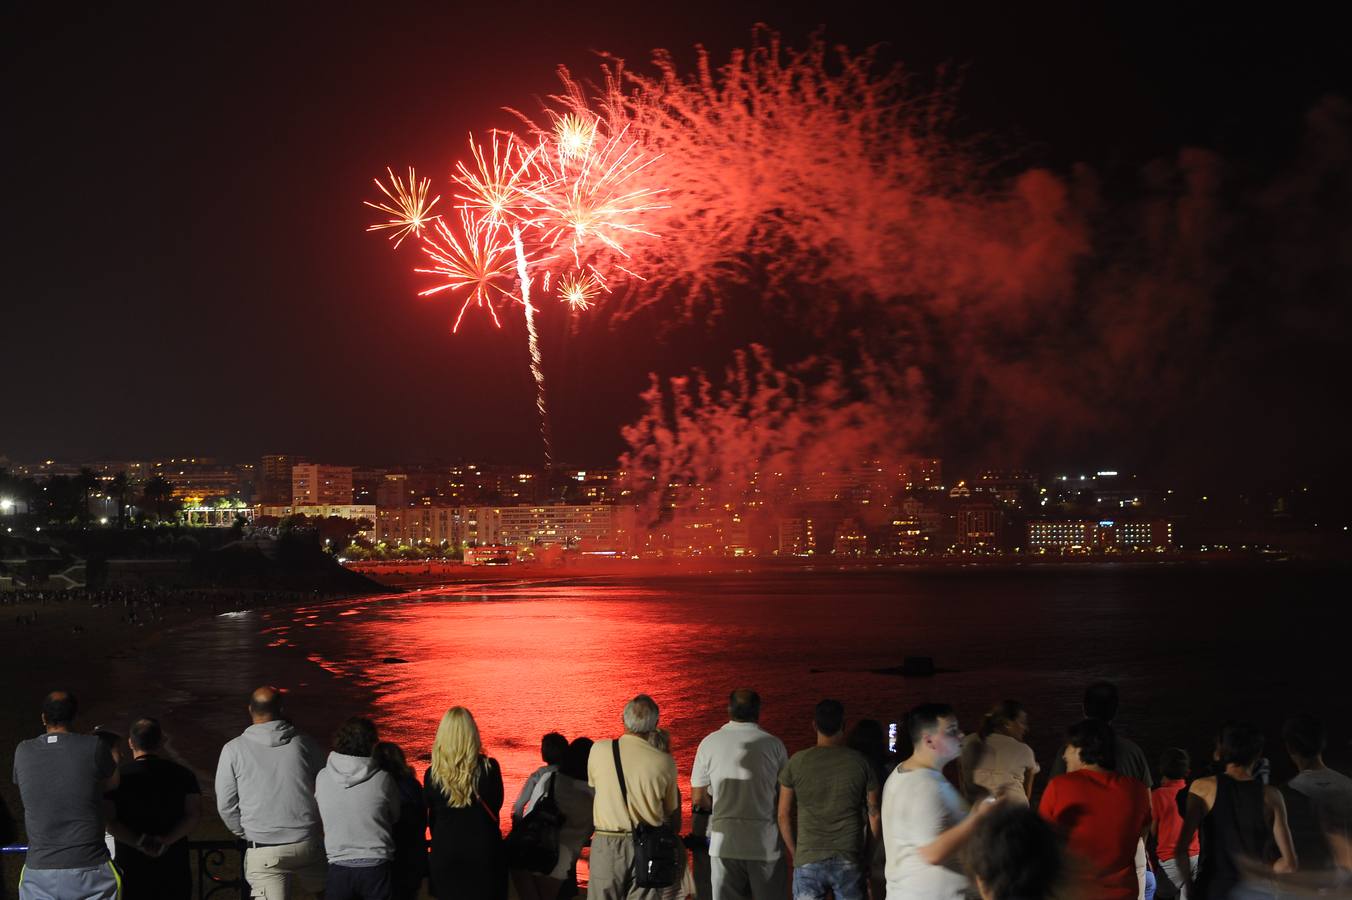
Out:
{"x": 356, "y": 737}
{"x": 146, "y": 735}
{"x": 574, "y": 763}
{"x": 552, "y": 748}
{"x": 1175, "y": 763}
{"x": 1095, "y": 740}
{"x": 1305, "y": 736}
{"x": 1240, "y": 744}
{"x": 1016, "y": 854}
{"x": 1100, "y": 701}
{"x": 744, "y": 705}
{"x": 60, "y": 707}
{"x": 868, "y": 737}
{"x": 925, "y": 717}
{"x": 390, "y": 758}
{"x": 829, "y": 717}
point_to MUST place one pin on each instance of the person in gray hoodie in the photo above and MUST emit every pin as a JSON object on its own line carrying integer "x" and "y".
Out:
{"x": 359, "y": 804}
{"x": 265, "y": 794}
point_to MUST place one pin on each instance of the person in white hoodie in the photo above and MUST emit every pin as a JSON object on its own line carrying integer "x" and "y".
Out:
{"x": 359, "y": 804}
{"x": 265, "y": 794}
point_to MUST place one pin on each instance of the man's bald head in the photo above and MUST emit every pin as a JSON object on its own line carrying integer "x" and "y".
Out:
{"x": 744, "y": 705}
{"x": 265, "y": 704}
{"x": 59, "y": 708}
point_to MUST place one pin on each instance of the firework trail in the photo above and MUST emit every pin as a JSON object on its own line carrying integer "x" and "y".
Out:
{"x": 533, "y": 343}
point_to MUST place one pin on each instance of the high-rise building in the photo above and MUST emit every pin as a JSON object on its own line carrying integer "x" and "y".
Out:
{"x": 318, "y": 485}
{"x": 392, "y": 491}
{"x": 272, "y": 486}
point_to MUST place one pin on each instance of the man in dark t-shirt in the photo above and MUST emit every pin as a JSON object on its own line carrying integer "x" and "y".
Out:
{"x": 62, "y": 778}
{"x": 157, "y": 804}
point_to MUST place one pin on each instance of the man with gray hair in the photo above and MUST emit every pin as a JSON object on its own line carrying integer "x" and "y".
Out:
{"x": 735, "y": 779}
{"x": 653, "y": 797}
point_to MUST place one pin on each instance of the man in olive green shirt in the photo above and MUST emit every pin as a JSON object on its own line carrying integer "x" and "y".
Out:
{"x": 830, "y": 785}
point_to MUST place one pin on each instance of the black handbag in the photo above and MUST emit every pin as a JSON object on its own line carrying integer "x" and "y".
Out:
{"x": 533, "y": 843}
{"x": 657, "y": 848}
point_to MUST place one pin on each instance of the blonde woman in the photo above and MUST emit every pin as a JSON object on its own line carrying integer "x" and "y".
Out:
{"x": 464, "y": 795}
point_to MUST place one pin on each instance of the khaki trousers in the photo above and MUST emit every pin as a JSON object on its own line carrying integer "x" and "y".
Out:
{"x": 272, "y": 871}
{"x": 612, "y": 870}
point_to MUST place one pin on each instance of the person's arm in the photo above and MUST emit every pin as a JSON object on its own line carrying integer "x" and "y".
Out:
{"x": 120, "y": 831}
{"x": 951, "y": 841}
{"x": 701, "y": 780}
{"x": 192, "y": 814}
{"x": 1028, "y": 776}
{"x": 1197, "y": 805}
{"x": 786, "y": 819}
{"x": 875, "y": 814}
{"x": 490, "y": 786}
{"x": 1281, "y": 831}
{"x": 1148, "y": 815}
{"x": 519, "y": 807}
{"x": 227, "y": 793}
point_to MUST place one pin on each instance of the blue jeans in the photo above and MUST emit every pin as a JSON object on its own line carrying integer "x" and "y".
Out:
{"x": 840, "y": 876}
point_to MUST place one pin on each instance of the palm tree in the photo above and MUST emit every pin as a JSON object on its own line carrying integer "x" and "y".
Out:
{"x": 85, "y": 482}
{"x": 117, "y": 489}
{"x": 159, "y": 495}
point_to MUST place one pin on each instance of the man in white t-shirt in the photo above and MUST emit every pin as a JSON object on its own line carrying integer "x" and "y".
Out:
{"x": 736, "y": 778}
{"x": 925, "y": 821}
{"x": 1328, "y": 794}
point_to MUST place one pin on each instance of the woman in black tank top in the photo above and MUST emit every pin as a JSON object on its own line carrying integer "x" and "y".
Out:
{"x": 1236, "y": 826}
{"x": 1237, "y": 817}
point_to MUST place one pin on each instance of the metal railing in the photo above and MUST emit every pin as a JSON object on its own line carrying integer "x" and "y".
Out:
{"x": 217, "y": 866}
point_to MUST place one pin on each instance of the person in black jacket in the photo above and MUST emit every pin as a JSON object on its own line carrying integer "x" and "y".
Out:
{"x": 410, "y": 832}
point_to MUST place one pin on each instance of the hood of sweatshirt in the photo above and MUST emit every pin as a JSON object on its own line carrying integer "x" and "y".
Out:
{"x": 350, "y": 771}
{"x": 270, "y": 734}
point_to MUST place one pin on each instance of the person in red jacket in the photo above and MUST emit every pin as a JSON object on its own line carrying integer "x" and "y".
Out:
{"x": 1102, "y": 814}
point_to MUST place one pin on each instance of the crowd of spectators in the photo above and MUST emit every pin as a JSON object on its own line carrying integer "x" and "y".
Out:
{"x": 849, "y": 817}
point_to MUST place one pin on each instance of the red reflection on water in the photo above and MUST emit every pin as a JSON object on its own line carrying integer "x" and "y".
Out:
{"x": 524, "y": 669}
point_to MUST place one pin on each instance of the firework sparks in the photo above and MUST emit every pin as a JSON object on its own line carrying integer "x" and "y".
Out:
{"x": 599, "y": 195}
{"x": 574, "y": 134}
{"x": 578, "y": 290}
{"x": 478, "y": 258}
{"x": 407, "y": 206}
{"x": 498, "y": 184}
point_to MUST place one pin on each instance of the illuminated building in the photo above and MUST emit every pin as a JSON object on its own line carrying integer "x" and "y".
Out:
{"x": 273, "y": 487}
{"x": 979, "y": 528}
{"x": 520, "y": 526}
{"x": 199, "y": 479}
{"x": 797, "y": 536}
{"x": 317, "y": 485}
{"x": 850, "y": 539}
{"x": 392, "y": 491}
{"x": 1098, "y": 535}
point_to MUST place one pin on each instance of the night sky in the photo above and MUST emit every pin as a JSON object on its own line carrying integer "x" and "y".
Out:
{"x": 187, "y": 271}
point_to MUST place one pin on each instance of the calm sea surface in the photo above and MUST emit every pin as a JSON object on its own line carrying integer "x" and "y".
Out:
{"x": 1189, "y": 648}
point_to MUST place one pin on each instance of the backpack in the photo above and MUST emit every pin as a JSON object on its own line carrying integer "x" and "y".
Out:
{"x": 657, "y": 848}
{"x": 533, "y": 844}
